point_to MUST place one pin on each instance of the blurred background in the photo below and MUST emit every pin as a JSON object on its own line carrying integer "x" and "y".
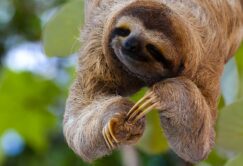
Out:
{"x": 38, "y": 45}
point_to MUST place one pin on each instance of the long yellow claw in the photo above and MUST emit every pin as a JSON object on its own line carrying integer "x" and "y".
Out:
{"x": 142, "y": 107}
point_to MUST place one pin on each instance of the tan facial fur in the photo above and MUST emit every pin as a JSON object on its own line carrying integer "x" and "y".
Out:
{"x": 180, "y": 52}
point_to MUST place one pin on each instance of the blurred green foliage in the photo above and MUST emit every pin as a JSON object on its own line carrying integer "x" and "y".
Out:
{"x": 153, "y": 140}
{"x": 230, "y": 127}
{"x": 32, "y": 105}
{"x": 70, "y": 18}
{"x": 237, "y": 161}
{"x": 24, "y": 100}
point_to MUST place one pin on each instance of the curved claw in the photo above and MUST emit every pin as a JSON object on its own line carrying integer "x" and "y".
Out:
{"x": 143, "y": 113}
{"x": 142, "y": 107}
{"x": 111, "y": 132}
{"x": 135, "y": 107}
{"x": 108, "y": 137}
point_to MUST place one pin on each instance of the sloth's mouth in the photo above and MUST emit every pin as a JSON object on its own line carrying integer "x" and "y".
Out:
{"x": 138, "y": 56}
{"x": 142, "y": 76}
{"x": 138, "y": 67}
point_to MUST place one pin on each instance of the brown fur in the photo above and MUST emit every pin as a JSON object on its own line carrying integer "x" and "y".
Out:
{"x": 201, "y": 36}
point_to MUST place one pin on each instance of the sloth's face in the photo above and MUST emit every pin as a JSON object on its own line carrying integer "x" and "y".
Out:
{"x": 147, "y": 51}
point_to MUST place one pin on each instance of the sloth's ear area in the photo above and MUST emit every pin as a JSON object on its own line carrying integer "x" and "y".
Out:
{"x": 89, "y": 5}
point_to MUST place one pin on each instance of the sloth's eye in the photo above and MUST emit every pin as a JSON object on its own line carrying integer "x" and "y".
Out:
{"x": 124, "y": 32}
{"x": 158, "y": 56}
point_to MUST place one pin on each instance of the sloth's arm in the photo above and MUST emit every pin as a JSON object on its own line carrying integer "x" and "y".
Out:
{"x": 186, "y": 118}
{"x": 85, "y": 120}
{"x": 185, "y": 114}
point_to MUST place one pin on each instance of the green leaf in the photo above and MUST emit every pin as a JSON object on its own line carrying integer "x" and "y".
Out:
{"x": 203, "y": 164}
{"x": 61, "y": 33}
{"x": 230, "y": 82}
{"x": 230, "y": 127}
{"x": 1, "y": 155}
{"x": 237, "y": 161}
{"x": 153, "y": 140}
{"x": 239, "y": 57}
{"x": 24, "y": 105}
{"x": 239, "y": 60}
{"x": 215, "y": 159}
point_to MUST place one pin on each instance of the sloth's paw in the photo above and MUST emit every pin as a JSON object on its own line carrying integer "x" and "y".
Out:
{"x": 149, "y": 102}
{"x": 118, "y": 131}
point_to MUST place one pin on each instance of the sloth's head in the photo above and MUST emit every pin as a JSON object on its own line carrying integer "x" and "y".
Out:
{"x": 145, "y": 39}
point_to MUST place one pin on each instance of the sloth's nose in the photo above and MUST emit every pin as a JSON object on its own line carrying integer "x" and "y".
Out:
{"x": 132, "y": 47}
{"x": 131, "y": 44}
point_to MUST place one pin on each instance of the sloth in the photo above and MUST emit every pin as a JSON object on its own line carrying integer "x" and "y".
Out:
{"x": 176, "y": 48}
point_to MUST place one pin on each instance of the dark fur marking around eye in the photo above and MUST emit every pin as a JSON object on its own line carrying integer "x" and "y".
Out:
{"x": 159, "y": 56}
{"x": 124, "y": 32}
